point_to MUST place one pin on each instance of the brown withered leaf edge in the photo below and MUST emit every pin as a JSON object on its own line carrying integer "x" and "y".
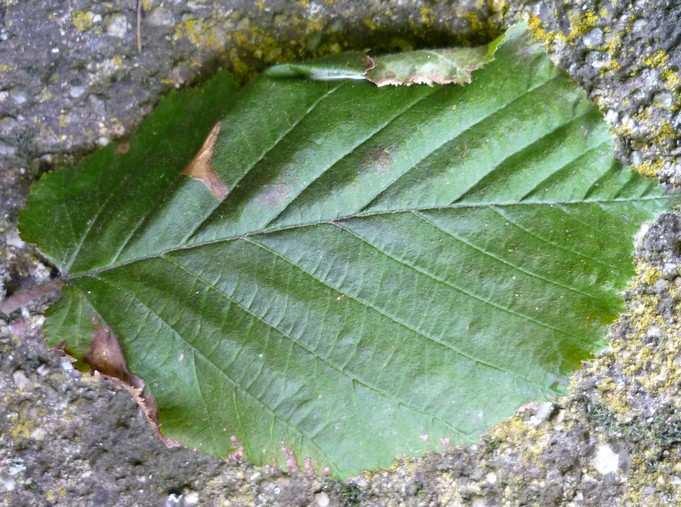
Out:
{"x": 105, "y": 357}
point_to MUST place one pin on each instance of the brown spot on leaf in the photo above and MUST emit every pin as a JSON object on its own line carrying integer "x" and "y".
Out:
{"x": 201, "y": 167}
{"x": 105, "y": 355}
{"x": 379, "y": 159}
{"x": 274, "y": 194}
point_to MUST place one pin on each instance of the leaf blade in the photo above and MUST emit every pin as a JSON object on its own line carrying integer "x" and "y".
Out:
{"x": 386, "y": 267}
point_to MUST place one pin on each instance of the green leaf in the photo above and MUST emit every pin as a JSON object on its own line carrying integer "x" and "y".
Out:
{"x": 347, "y": 271}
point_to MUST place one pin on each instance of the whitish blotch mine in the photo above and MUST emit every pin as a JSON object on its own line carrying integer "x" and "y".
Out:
{"x": 429, "y": 67}
{"x": 201, "y": 167}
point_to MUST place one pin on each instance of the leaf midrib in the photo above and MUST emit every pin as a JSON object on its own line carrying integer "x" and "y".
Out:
{"x": 363, "y": 214}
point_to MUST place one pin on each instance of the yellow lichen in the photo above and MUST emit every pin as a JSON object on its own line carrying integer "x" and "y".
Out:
{"x": 665, "y": 133}
{"x": 671, "y": 78}
{"x": 370, "y": 23}
{"x": 476, "y": 25}
{"x": 201, "y": 34}
{"x": 613, "y": 44}
{"x": 648, "y": 274}
{"x": 535, "y": 25}
{"x": 650, "y": 168}
{"x": 612, "y": 66}
{"x": 657, "y": 59}
{"x": 53, "y": 495}
{"x": 581, "y": 23}
{"x": 497, "y": 6}
{"x": 22, "y": 430}
{"x": 427, "y": 16}
{"x": 82, "y": 20}
{"x": 507, "y": 429}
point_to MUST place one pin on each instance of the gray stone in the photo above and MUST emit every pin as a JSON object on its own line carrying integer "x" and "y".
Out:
{"x": 606, "y": 461}
{"x": 594, "y": 38}
{"x": 160, "y": 16}
{"x": 117, "y": 26}
{"x": 20, "y": 380}
{"x": 77, "y": 91}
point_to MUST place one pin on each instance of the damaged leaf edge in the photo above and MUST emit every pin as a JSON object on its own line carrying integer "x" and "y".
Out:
{"x": 360, "y": 66}
{"x": 105, "y": 358}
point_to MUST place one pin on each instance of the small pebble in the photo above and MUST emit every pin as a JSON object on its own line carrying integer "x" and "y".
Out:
{"x": 66, "y": 365}
{"x": 20, "y": 380}
{"x": 639, "y": 25}
{"x": 160, "y": 16}
{"x": 117, "y": 26}
{"x": 611, "y": 116}
{"x": 606, "y": 461}
{"x": 173, "y": 500}
{"x": 664, "y": 99}
{"x": 39, "y": 434}
{"x": 8, "y": 484}
{"x": 322, "y": 499}
{"x": 597, "y": 59}
{"x": 7, "y": 150}
{"x": 543, "y": 413}
{"x": 76, "y": 91}
{"x": 478, "y": 502}
{"x": 594, "y": 38}
{"x": 191, "y": 498}
{"x": 12, "y": 239}
{"x": 19, "y": 97}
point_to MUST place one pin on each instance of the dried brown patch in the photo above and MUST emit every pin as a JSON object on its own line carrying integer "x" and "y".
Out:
{"x": 106, "y": 358}
{"x": 201, "y": 167}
